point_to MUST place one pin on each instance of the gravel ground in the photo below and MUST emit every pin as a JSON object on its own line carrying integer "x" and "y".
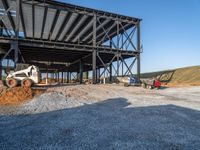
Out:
{"x": 104, "y": 117}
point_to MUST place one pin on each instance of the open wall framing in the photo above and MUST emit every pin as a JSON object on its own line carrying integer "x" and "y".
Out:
{"x": 69, "y": 38}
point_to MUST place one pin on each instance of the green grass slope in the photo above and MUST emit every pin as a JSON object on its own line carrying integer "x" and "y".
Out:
{"x": 181, "y": 76}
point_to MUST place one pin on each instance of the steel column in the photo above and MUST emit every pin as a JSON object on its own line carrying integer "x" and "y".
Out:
{"x": 118, "y": 48}
{"x": 138, "y": 49}
{"x": 22, "y": 19}
{"x": 47, "y": 75}
{"x": 17, "y": 19}
{"x": 94, "y": 53}
{"x": 62, "y": 77}
{"x": 1, "y": 28}
{"x": 14, "y": 45}
{"x": 67, "y": 77}
{"x": 87, "y": 75}
{"x": 5, "y": 4}
{"x": 0, "y": 70}
{"x": 81, "y": 72}
{"x": 122, "y": 68}
{"x": 98, "y": 75}
{"x": 70, "y": 77}
{"x": 110, "y": 72}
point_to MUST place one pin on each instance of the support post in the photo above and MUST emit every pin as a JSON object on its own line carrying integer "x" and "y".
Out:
{"x": 138, "y": 50}
{"x": 57, "y": 76}
{"x": 122, "y": 68}
{"x": 51, "y": 75}
{"x": 110, "y": 72}
{"x": 118, "y": 39}
{"x": 47, "y": 75}
{"x": 1, "y": 28}
{"x": 94, "y": 53}
{"x": 70, "y": 77}
{"x": 67, "y": 77}
{"x": 87, "y": 75}
{"x": 14, "y": 46}
{"x": 117, "y": 63}
{"x": 0, "y": 70}
{"x": 17, "y": 23}
{"x": 81, "y": 72}
{"x": 62, "y": 77}
{"x": 98, "y": 75}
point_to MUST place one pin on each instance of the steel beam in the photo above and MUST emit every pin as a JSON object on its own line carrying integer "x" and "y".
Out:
{"x": 65, "y": 21}
{"x": 1, "y": 28}
{"x": 110, "y": 72}
{"x": 105, "y": 33}
{"x": 94, "y": 53}
{"x": 138, "y": 49}
{"x": 44, "y": 21}
{"x": 68, "y": 78}
{"x": 5, "y": 4}
{"x": 78, "y": 18}
{"x": 81, "y": 30}
{"x": 53, "y": 24}
{"x": 33, "y": 20}
{"x": 22, "y": 19}
{"x": 62, "y": 77}
{"x": 118, "y": 39}
{"x": 130, "y": 67}
{"x": 122, "y": 68}
{"x": 81, "y": 72}
{"x": 79, "y": 25}
{"x": 108, "y": 64}
{"x": 0, "y": 69}
{"x": 128, "y": 38}
{"x": 83, "y": 10}
{"x": 89, "y": 36}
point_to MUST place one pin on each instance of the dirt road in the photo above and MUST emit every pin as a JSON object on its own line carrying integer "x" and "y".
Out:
{"x": 104, "y": 117}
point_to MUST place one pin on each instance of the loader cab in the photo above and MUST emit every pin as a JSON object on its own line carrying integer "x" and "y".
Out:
{"x": 34, "y": 74}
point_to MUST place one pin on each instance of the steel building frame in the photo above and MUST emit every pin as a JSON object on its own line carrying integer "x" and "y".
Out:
{"x": 69, "y": 38}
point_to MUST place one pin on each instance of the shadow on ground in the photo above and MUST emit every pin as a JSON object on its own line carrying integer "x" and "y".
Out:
{"x": 110, "y": 124}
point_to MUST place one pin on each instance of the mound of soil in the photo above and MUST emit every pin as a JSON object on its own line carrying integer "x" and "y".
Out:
{"x": 15, "y": 95}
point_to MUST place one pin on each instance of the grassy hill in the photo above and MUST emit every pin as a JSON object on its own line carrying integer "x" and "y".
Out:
{"x": 181, "y": 76}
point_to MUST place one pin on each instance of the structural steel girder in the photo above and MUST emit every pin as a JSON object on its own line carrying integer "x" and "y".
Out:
{"x": 98, "y": 38}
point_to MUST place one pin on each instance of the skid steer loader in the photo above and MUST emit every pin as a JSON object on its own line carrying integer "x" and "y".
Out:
{"x": 25, "y": 78}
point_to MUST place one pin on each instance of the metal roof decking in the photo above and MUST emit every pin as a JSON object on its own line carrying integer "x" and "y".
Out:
{"x": 53, "y": 31}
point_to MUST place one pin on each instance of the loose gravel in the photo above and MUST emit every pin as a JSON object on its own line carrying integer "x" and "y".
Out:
{"x": 104, "y": 117}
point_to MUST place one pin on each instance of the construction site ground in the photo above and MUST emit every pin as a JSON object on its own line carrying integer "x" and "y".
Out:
{"x": 103, "y": 117}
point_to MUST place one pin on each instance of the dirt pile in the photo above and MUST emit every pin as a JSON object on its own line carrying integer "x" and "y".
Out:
{"x": 189, "y": 76}
{"x": 15, "y": 95}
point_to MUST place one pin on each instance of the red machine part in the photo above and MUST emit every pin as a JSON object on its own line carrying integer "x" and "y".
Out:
{"x": 157, "y": 84}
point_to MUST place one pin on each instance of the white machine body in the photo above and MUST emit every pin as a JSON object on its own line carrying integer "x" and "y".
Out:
{"x": 32, "y": 73}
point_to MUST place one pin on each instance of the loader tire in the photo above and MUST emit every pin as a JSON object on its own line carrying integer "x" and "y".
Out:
{"x": 26, "y": 83}
{"x": 126, "y": 84}
{"x": 144, "y": 85}
{"x": 11, "y": 82}
{"x": 149, "y": 87}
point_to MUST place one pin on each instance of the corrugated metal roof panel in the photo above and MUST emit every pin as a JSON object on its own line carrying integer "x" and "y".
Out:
{"x": 60, "y": 20}
{"x": 27, "y": 12}
{"x": 39, "y": 15}
{"x": 71, "y": 20}
{"x": 49, "y": 21}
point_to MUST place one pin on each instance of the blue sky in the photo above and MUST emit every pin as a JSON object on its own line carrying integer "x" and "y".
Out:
{"x": 170, "y": 30}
